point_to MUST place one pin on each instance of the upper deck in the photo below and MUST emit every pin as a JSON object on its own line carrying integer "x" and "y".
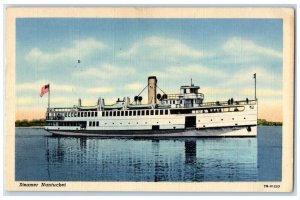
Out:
{"x": 208, "y": 107}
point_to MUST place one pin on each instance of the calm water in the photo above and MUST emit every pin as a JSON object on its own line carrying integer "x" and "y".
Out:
{"x": 42, "y": 157}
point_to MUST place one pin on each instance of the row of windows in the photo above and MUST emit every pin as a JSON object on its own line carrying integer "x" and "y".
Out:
{"x": 94, "y": 123}
{"x": 81, "y": 114}
{"x": 64, "y": 123}
{"x": 142, "y": 112}
{"x": 74, "y": 114}
{"x": 134, "y": 113}
{"x": 229, "y": 109}
{"x": 110, "y": 113}
{"x": 191, "y": 90}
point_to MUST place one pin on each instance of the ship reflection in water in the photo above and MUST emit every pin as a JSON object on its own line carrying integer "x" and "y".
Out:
{"x": 41, "y": 157}
{"x": 188, "y": 159}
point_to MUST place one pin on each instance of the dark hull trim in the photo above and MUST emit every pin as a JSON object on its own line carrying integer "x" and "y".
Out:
{"x": 203, "y": 132}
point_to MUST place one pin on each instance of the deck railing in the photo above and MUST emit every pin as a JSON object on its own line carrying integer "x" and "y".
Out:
{"x": 229, "y": 103}
{"x": 192, "y": 95}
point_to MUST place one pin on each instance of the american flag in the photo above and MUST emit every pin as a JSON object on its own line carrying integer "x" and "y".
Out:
{"x": 45, "y": 89}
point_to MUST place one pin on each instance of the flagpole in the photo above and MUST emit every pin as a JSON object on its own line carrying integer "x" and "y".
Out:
{"x": 49, "y": 97}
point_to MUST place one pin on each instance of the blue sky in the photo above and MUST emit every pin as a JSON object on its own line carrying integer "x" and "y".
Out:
{"x": 117, "y": 56}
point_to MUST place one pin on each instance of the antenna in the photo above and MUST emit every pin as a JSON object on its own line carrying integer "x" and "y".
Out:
{"x": 191, "y": 82}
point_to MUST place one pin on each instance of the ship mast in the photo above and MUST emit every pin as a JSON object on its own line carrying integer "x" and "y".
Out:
{"x": 254, "y": 76}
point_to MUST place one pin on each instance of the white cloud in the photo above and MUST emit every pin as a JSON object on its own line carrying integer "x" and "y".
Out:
{"x": 162, "y": 48}
{"x": 36, "y": 86}
{"x": 37, "y": 101}
{"x": 216, "y": 91}
{"x": 263, "y": 92}
{"x": 80, "y": 49}
{"x": 100, "y": 90}
{"x": 247, "y": 50}
{"x": 246, "y": 76}
{"x": 134, "y": 86}
{"x": 189, "y": 71}
{"x": 105, "y": 71}
{"x": 25, "y": 100}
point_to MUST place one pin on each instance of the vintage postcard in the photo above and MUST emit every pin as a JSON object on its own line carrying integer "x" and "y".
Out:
{"x": 149, "y": 99}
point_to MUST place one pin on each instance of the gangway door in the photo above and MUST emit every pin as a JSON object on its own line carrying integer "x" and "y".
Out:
{"x": 190, "y": 122}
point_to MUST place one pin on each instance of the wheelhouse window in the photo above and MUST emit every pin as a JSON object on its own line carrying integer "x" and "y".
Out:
{"x": 97, "y": 123}
{"x": 152, "y": 112}
{"x": 90, "y": 123}
{"x": 103, "y": 114}
{"x": 110, "y": 113}
{"x": 138, "y": 112}
{"x": 85, "y": 114}
{"x": 147, "y": 112}
{"x": 161, "y": 112}
{"x": 92, "y": 114}
{"x": 126, "y": 113}
{"x": 89, "y": 114}
{"x": 94, "y": 123}
{"x": 156, "y": 112}
{"x": 130, "y": 113}
{"x": 122, "y": 113}
{"x": 96, "y": 114}
{"x": 114, "y": 113}
{"x": 134, "y": 113}
{"x": 118, "y": 113}
{"x": 143, "y": 112}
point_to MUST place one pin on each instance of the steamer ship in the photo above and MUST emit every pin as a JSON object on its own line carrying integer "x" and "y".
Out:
{"x": 165, "y": 115}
